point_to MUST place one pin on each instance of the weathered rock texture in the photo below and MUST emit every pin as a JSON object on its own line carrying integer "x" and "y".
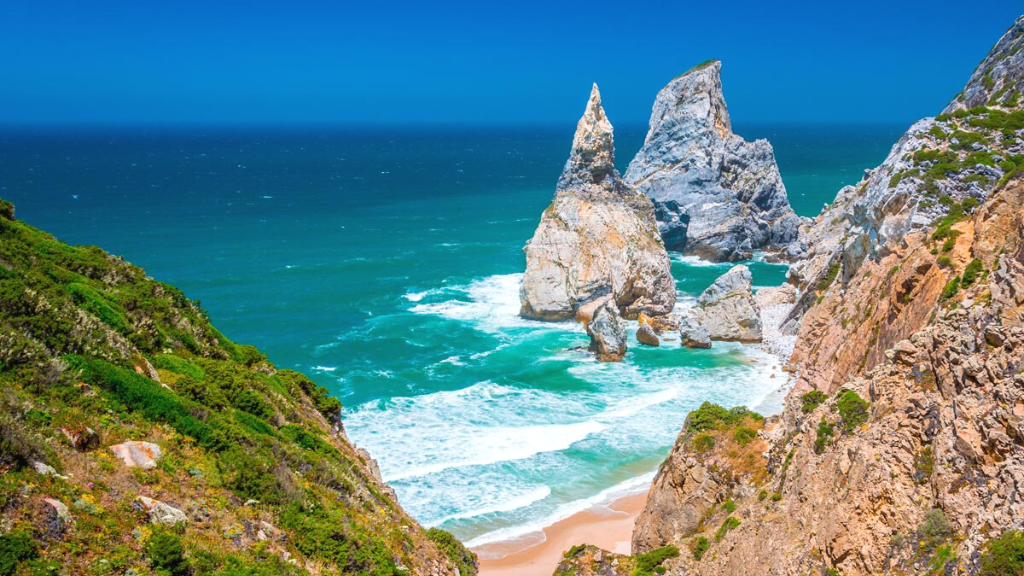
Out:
{"x": 920, "y": 323}
{"x": 597, "y": 238}
{"x": 607, "y": 334}
{"x": 727, "y": 309}
{"x": 716, "y": 195}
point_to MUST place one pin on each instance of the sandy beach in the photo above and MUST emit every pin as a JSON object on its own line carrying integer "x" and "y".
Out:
{"x": 609, "y": 527}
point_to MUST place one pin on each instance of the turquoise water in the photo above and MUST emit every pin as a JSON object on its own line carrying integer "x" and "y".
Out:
{"x": 385, "y": 264}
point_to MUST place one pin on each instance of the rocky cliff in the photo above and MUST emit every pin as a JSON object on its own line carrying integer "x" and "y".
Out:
{"x": 901, "y": 447}
{"x": 136, "y": 439}
{"x": 716, "y": 195}
{"x": 598, "y": 238}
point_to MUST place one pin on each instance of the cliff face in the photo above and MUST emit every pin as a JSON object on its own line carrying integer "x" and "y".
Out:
{"x": 135, "y": 437}
{"x": 716, "y": 195}
{"x": 901, "y": 447}
{"x": 598, "y": 238}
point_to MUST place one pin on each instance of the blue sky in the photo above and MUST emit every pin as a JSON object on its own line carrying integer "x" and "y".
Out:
{"x": 485, "y": 62}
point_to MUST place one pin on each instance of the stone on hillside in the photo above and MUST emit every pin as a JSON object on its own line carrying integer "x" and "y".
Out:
{"x": 138, "y": 454}
{"x": 598, "y": 237}
{"x": 160, "y": 512}
{"x": 716, "y": 195}
{"x": 57, "y": 519}
{"x": 607, "y": 334}
{"x": 82, "y": 440}
{"x": 43, "y": 468}
{"x": 646, "y": 335}
{"x": 727, "y": 309}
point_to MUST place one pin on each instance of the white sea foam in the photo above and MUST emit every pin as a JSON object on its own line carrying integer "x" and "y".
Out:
{"x": 325, "y": 368}
{"x": 505, "y": 505}
{"x": 602, "y": 499}
{"x": 696, "y": 261}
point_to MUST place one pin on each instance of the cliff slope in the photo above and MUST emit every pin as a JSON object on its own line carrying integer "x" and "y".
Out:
{"x": 135, "y": 438}
{"x": 716, "y": 195}
{"x": 598, "y": 238}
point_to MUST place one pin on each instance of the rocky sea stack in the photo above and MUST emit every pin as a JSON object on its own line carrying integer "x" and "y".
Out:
{"x": 598, "y": 239}
{"x": 716, "y": 195}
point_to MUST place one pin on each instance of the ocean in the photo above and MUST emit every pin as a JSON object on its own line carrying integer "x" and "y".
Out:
{"x": 385, "y": 263}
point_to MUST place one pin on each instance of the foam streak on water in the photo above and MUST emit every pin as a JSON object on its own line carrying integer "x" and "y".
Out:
{"x": 545, "y": 431}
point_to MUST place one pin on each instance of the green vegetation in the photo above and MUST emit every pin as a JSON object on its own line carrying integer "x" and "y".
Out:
{"x": 1004, "y": 556}
{"x": 728, "y": 524}
{"x": 942, "y": 556}
{"x": 649, "y": 562}
{"x": 829, "y": 277}
{"x": 699, "y": 546}
{"x": 712, "y": 416}
{"x": 14, "y": 549}
{"x": 743, "y": 435}
{"x": 811, "y": 400}
{"x": 924, "y": 463}
{"x": 951, "y": 288}
{"x": 823, "y": 436}
{"x": 971, "y": 272}
{"x": 167, "y": 555}
{"x": 729, "y": 506}
{"x": 87, "y": 341}
{"x": 461, "y": 557}
{"x": 703, "y": 442}
{"x": 934, "y": 530}
{"x": 853, "y": 410}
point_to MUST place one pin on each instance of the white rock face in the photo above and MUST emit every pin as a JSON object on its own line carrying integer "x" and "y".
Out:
{"x": 160, "y": 512}
{"x": 138, "y": 454}
{"x": 716, "y": 196}
{"x": 727, "y": 309}
{"x": 597, "y": 238}
{"x": 607, "y": 334}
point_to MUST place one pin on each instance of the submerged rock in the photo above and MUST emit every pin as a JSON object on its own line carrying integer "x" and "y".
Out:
{"x": 727, "y": 309}
{"x": 646, "y": 335}
{"x": 597, "y": 239}
{"x": 716, "y": 195}
{"x": 607, "y": 334}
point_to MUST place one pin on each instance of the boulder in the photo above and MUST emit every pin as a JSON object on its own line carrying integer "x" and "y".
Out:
{"x": 692, "y": 334}
{"x": 607, "y": 334}
{"x": 138, "y": 454}
{"x": 646, "y": 335}
{"x": 160, "y": 512}
{"x": 82, "y": 440}
{"x": 57, "y": 519}
{"x": 716, "y": 196}
{"x": 727, "y": 309}
{"x": 597, "y": 239}
{"x": 43, "y": 468}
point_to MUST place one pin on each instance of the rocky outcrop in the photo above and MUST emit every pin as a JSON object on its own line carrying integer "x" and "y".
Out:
{"x": 999, "y": 79}
{"x": 138, "y": 454}
{"x": 597, "y": 238}
{"x": 727, "y": 310}
{"x": 716, "y": 195}
{"x": 692, "y": 334}
{"x": 160, "y": 512}
{"x": 607, "y": 334}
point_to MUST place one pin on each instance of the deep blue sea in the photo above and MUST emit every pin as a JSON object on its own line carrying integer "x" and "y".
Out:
{"x": 385, "y": 264}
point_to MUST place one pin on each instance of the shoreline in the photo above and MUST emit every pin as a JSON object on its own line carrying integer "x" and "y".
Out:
{"x": 608, "y": 526}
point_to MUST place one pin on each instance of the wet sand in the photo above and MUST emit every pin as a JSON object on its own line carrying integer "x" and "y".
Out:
{"x": 608, "y": 527}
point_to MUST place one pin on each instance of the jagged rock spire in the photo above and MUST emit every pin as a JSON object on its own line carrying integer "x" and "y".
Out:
{"x": 999, "y": 79}
{"x": 592, "y": 159}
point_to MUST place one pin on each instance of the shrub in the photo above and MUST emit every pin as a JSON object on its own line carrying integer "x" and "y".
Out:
{"x": 830, "y": 276}
{"x": 729, "y": 506}
{"x": 728, "y": 524}
{"x": 811, "y": 400}
{"x": 951, "y": 288}
{"x": 710, "y": 416}
{"x": 6, "y": 209}
{"x": 945, "y": 261}
{"x": 1004, "y": 556}
{"x": 15, "y": 548}
{"x": 934, "y": 530}
{"x": 699, "y": 547}
{"x": 823, "y": 436}
{"x": 943, "y": 555}
{"x": 703, "y": 442}
{"x": 970, "y": 203}
{"x": 647, "y": 563}
{"x": 178, "y": 365}
{"x": 167, "y": 555}
{"x": 852, "y": 409}
{"x": 744, "y": 435}
{"x": 461, "y": 557}
{"x": 971, "y": 272}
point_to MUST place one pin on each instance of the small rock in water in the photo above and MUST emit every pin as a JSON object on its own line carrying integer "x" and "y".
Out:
{"x": 692, "y": 334}
{"x": 647, "y": 336}
{"x": 607, "y": 334}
